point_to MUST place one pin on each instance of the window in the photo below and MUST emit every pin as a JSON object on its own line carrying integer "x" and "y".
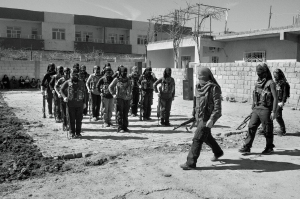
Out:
{"x": 142, "y": 40}
{"x": 13, "y": 32}
{"x": 34, "y": 33}
{"x": 112, "y": 38}
{"x": 214, "y": 59}
{"x": 121, "y": 39}
{"x": 78, "y": 36}
{"x": 185, "y": 60}
{"x": 87, "y": 36}
{"x": 58, "y": 34}
{"x": 255, "y": 56}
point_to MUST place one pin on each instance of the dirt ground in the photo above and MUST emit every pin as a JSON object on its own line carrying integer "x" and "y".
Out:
{"x": 145, "y": 162}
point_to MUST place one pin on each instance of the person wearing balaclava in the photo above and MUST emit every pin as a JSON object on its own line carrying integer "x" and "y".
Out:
{"x": 45, "y": 87}
{"x": 207, "y": 110}
{"x": 73, "y": 93}
{"x": 146, "y": 81}
{"x": 106, "y": 96}
{"x": 282, "y": 88}
{"x": 55, "y": 78}
{"x": 134, "y": 77}
{"x": 91, "y": 85}
{"x": 57, "y": 88}
{"x": 121, "y": 89}
{"x": 264, "y": 109}
{"x": 83, "y": 75}
{"x": 166, "y": 95}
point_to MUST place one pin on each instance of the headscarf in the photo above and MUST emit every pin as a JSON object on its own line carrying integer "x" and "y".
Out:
{"x": 167, "y": 72}
{"x": 264, "y": 75}
{"x": 281, "y": 76}
{"x": 206, "y": 80}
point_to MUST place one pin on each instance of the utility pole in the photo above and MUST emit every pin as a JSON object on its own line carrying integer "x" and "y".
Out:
{"x": 270, "y": 15}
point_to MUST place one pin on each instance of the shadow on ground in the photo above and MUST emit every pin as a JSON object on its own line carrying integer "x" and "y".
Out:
{"x": 258, "y": 166}
{"x": 112, "y": 138}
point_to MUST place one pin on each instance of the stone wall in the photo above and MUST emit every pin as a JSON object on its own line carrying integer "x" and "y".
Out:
{"x": 37, "y": 69}
{"x": 237, "y": 79}
{"x": 177, "y": 74}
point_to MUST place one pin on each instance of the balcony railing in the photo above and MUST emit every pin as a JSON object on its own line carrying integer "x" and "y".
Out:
{"x": 84, "y": 39}
{"x": 21, "y": 36}
{"x": 96, "y": 40}
{"x": 112, "y": 41}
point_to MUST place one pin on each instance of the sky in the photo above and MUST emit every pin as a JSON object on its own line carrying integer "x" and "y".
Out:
{"x": 243, "y": 15}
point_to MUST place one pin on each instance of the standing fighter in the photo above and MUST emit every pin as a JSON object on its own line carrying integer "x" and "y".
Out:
{"x": 134, "y": 77}
{"x": 146, "y": 81}
{"x": 121, "y": 89}
{"x": 166, "y": 95}
{"x": 73, "y": 92}
{"x": 57, "y": 87}
{"x": 45, "y": 88}
{"x": 83, "y": 75}
{"x": 55, "y": 78}
{"x": 95, "y": 94}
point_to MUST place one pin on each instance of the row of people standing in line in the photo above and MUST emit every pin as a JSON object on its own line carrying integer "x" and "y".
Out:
{"x": 13, "y": 83}
{"x": 106, "y": 87}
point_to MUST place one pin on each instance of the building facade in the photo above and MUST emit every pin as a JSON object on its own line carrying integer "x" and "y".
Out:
{"x": 24, "y": 29}
{"x": 271, "y": 45}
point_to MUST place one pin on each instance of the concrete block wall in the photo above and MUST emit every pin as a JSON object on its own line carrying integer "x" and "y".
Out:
{"x": 177, "y": 74}
{"x": 237, "y": 79}
{"x": 17, "y": 69}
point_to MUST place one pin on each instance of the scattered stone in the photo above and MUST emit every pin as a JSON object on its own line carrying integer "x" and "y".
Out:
{"x": 167, "y": 175}
{"x": 293, "y": 108}
{"x": 244, "y": 101}
{"x": 218, "y": 134}
{"x": 55, "y": 129}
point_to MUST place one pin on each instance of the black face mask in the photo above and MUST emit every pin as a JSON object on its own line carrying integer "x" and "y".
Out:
{"x": 74, "y": 79}
{"x": 261, "y": 75}
{"x": 124, "y": 74}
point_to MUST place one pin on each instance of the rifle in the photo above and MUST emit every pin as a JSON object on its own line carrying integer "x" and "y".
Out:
{"x": 191, "y": 120}
{"x": 243, "y": 124}
{"x": 101, "y": 108}
{"x": 141, "y": 105}
{"x": 44, "y": 104}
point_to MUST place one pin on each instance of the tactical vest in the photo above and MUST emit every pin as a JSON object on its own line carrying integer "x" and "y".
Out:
{"x": 134, "y": 80}
{"x": 166, "y": 85}
{"x": 75, "y": 92}
{"x": 147, "y": 83}
{"x": 263, "y": 96}
{"x": 124, "y": 89}
{"x": 105, "y": 85}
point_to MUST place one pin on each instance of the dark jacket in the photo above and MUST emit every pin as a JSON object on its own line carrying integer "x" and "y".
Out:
{"x": 46, "y": 80}
{"x": 282, "y": 91}
{"x": 103, "y": 85}
{"x": 208, "y": 106}
{"x": 167, "y": 83}
{"x": 76, "y": 93}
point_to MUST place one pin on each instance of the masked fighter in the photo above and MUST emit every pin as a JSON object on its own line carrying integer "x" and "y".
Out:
{"x": 146, "y": 81}
{"x": 91, "y": 85}
{"x": 107, "y": 98}
{"x": 45, "y": 88}
{"x": 134, "y": 77}
{"x": 263, "y": 110}
{"x": 166, "y": 95}
{"x": 73, "y": 92}
{"x": 83, "y": 75}
{"x": 55, "y": 78}
{"x": 207, "y": 111}
{"x": 282, "y": 88}
{"x": 57, "y": 87}
{"x": 121, "y": 89}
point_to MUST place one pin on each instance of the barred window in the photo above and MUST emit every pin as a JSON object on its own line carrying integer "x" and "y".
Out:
{"x": 214, "y": 59}
{"x": 58, "y": 34}
{"x": 255, "y": 56}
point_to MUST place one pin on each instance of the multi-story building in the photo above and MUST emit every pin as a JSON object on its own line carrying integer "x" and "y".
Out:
{"x": 24, "y": 29}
